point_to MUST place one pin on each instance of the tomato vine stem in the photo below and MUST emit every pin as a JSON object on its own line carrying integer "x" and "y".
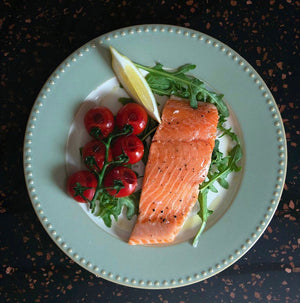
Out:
{"x": 127, "y": 130}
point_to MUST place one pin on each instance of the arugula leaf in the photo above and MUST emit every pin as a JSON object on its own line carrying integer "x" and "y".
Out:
{"x": 216, "y": 154}
{"x": 219, "y": 170}
{"x": 125, "y": 101}
{"x": 111, "y": 206}
{"x": 130, "y": 203}
{"x": 225, "y": 167}
{"x": 228, "y": 132}
{"x": 203, "y": 213}
{"x": 176, "y": 82}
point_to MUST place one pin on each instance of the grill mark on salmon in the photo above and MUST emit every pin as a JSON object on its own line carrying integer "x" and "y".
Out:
{"x": 178, "y": 162}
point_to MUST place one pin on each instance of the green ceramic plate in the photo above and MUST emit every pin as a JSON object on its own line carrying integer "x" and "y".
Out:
{"x": 240, "y": 224}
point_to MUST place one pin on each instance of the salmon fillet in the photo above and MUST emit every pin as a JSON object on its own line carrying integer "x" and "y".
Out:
{"x": 179, "y": 160}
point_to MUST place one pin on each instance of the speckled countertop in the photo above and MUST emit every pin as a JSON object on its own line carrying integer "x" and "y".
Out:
{"x": 35, "y": 38}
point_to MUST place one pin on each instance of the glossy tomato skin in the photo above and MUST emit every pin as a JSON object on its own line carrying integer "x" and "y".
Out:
{"x": 134, "y": 115}
{"x": 95, "y": 149}
{"x": 85, "y": 179}
{"x": 130, "y": 145}
{"x": 124, "y": 174}
{"x": 99, "y": 122}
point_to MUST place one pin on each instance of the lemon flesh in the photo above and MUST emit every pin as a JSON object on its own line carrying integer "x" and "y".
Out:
{"x": 134, "y": 83}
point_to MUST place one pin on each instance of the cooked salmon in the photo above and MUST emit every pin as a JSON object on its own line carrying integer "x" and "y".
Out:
{"x": 178, "y": 162}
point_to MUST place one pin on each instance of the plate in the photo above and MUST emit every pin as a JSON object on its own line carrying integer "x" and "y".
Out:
{"x": 239, "y": 226}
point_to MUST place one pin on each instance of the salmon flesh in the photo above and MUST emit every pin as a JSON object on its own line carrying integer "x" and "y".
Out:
{"x": 178, "y": 162}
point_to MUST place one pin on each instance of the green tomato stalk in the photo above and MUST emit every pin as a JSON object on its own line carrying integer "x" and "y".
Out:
{"x": 122, "y": 159}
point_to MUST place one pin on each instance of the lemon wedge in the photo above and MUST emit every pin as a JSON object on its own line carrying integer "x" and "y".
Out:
{"x": 134, "y": 83}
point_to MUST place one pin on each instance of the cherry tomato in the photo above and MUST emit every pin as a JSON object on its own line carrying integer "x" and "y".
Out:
{"x": 99, "y": 122}
{"x": 134, "y": 115}
{"x": 131, "y": 146}
{"x": 95, "y": 151}
{"x": 82, "y": 185}
{"x": 120, "y": 176}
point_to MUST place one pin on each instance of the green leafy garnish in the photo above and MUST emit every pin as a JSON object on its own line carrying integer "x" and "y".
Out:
{"x": 228, "y": 132}
{"x": 219, "y": 170}
{"x": 178, "y": 83}
{"x": 225, "y": 166}
{"x": 125, "y": 101}
{"x": 203, "y": 213}
{"x": 217, "y": 155}
{"x": 110, "y": 206}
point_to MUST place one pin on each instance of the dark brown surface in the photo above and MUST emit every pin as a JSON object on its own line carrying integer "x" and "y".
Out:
{"x": 35, "y": 38}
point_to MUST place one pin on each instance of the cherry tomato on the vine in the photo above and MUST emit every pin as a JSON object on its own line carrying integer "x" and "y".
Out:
{"x": 131, "y": 146}
{"x": 99, "y": 122}
{"x": 120, "y": 182}
{"x": 93, "y": 155}
{"x": 82, "y": 186}
{"x": 134, "y": 115}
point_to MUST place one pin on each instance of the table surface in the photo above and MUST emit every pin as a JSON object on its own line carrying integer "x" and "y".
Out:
{"x": 35, "y": 38}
